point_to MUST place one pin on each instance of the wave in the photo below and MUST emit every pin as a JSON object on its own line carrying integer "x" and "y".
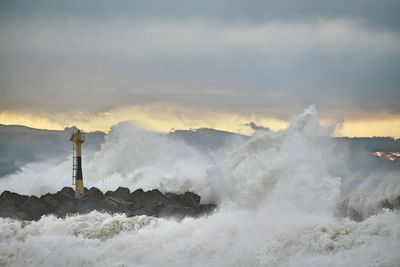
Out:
{"x": 280, "y": 202}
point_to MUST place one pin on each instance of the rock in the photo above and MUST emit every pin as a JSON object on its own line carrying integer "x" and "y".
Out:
{"x": 86, "y": 205}
{"x": 12, "y": 205}
{"x": 188, "y": 199}
{"x": 67, "y": 192}
{"x": 108, "y": 193}
{"x": 139, "y": 202}
{"x": 50, "y": 201}
{"x": 152, "y": 202}
{"x": 173, "y": 198}
{"x": 153, "y": 197}
{"x": 191, "y": 199}
{"x": 66, "y": 202}
{"x": 91, "y": 201}
{"x": 35, "y": 208}
{"x": 12, "y": 212}
{"x": 205, "y": 209}
{"x": 122, "y": 193}
{"x": 94, "y": 194}
{"x": 12, "y": 199}
{"x": 114, "y": 204}
{"x": 136, "y": 192}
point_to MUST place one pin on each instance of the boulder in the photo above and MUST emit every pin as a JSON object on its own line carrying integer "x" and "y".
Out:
{"x": 136, "y": 193}
{"x": 50, "y": 201}
{"x": 35, "y": 208}
{"x": 67, "y": 192}
{"x": 113, "y": 204}
{"x": 66, "y": 202}
{"x": 91, "y": 201}
{"x": 153, "y": 197}
{"x": 94, "y": 194}
{"x": 205, "y": 209}
{"x": 188, "y": 199}
{"x": 87, "y": 205}
{"x": 108, "y": 193}
{"x": 11, "y": 205}
{"x": 139, "y": 202}
{"x": 8, "y": 198}
{"x": 122, "y": 193}
{"x": 12, "y": 212}
{"x": 152, "y": 202}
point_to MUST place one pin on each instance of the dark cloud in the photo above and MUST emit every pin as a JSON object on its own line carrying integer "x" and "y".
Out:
{"x": 257, "y": 56}
{"x": 375, "y": 13}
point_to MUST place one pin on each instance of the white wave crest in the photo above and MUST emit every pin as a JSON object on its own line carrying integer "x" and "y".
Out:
{"x": 277, "y": 202}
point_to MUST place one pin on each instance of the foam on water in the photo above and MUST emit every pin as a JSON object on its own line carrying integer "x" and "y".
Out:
{"x": 277, "y": 206}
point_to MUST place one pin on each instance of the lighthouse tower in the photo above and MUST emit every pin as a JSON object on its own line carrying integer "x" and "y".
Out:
{"x": 77, "y": 179}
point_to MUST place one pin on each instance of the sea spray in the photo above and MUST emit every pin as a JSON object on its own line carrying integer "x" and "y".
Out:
{"x": 277, "y": 196}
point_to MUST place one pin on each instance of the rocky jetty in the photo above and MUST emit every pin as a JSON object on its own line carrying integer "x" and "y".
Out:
{"x": 139, "y": 202}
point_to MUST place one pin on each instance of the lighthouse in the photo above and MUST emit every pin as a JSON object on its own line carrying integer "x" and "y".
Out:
{"x": 77, "y": 178}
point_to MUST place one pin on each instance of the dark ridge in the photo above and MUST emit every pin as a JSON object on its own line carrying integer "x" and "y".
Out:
{"x": 151, "y": 203}
{"x": 21, "y": 145}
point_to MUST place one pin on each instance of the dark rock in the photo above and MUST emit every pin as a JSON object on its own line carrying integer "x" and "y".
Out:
{"x": 122, "y": 193}
{"x": 108, "y": 193}
{"x": 66, "y": 203}
{"x": 94, "y": 194}
{"x": 188, "y": 199}
{"x": 173, "y": 198}
{"x": 12, "y": 199}
{"x": 35, "y": 208}
{"x": 191, "y": 199}
{"x": 114, "y": 204}
{"x": 12, "y": 205}
{"x": 150, "y": 202}
{"x": 139, "y": 202}
{"x": 137, "y": 192}
{"x": 50, "y": 201}
{"x": 148, "y": 198}
{"x": 91, "y": 201}
{"x": 205, "y": 209}
{"x": 12, "y": 212}
{"x": 67, "y": 192}
{"x": 87, "y": 205}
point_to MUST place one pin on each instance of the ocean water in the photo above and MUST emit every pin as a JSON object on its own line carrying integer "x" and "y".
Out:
{"x": 284, "y": 199}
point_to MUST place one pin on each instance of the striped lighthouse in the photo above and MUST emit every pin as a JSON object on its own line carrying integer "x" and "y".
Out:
{"x": 77, "y": 178}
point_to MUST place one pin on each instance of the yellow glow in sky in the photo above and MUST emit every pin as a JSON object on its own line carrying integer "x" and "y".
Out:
{"x": 372, "y": 127}
{"x": 162, "y": 119}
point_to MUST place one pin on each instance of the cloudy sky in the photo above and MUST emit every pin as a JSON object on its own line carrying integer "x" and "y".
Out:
{"x": 210, "y": 63}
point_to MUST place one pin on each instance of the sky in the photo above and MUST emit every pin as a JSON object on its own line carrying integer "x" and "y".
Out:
{"x": 189, "y": 64}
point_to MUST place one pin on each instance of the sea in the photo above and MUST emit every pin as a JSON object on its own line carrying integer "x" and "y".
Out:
{"x": 285, "y": 198}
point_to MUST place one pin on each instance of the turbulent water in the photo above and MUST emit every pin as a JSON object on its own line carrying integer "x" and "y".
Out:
{"x": 282, "y": 197}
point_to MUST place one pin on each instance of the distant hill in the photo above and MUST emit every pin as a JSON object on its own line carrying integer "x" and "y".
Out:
{"x": 361, "y": 149}
{"x": 20, "y": 145}
{"x": 371, "y": 144}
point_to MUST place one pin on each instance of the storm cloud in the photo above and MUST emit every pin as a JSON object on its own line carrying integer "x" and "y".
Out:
{"x": 257, "y": 56}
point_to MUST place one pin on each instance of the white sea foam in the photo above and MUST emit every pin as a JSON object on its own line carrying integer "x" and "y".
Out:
{"x": 277, "y": 206}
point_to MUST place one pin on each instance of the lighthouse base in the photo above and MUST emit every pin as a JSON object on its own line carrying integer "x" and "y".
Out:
{"x": 79, "y": 190}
